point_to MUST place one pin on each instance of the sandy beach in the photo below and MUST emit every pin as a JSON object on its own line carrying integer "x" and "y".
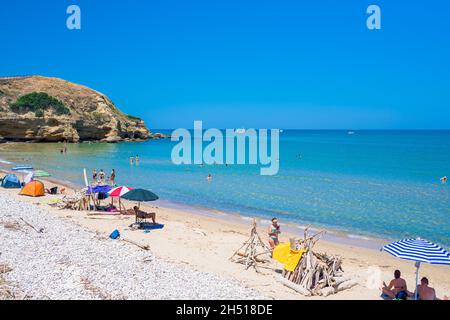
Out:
{"x": 204, "y": 244}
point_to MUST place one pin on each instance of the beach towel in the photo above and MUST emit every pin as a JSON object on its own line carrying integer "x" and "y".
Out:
{"x": 288, "y": 257}
{"x": 147, "y": 226}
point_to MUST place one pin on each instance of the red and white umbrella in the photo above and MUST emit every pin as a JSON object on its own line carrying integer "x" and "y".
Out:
{"x": 119, "y": 191}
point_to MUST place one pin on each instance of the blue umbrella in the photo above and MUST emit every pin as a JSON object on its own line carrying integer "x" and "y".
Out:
{"x": 418, "y": 250}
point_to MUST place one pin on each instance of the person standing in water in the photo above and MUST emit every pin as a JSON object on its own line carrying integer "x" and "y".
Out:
{"x": 209, "y": 178}
{"x": 137, "y": 159}
{"x": 131, "y": 160}
{"x": 112, "y": 177}
{"x": 101, "y": 176}
{"x": 444, "y": 180}
{"x": 94, "y": 176}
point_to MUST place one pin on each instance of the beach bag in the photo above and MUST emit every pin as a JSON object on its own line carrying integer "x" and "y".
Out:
{"x": 115, "y": 234}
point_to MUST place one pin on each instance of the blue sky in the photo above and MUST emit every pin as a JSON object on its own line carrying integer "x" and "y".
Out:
{"x": 264, "y": 64}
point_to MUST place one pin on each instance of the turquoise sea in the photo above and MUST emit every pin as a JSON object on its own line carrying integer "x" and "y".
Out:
{"x": 371, "y": 183}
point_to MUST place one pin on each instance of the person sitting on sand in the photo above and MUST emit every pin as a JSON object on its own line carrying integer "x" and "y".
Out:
{"x": 424, "y": 292}
{"x": 144, "y": 215}
{"x": 396, "y": 288}
{"x": 274, "y": 231}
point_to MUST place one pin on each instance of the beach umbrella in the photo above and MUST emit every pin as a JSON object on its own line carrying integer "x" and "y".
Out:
{"x": 41, "y": 173}
{"x": 119, "y": 191}
{"x": 418, "y": 250}
{"x": 140, "y": 195}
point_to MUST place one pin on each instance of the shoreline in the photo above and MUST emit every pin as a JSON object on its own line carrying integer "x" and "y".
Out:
{"x": 205, "y": 242}
{"x": 347, "y": 238}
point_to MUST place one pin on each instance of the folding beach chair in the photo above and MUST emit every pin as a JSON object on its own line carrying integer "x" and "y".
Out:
{"x": 141, "y": 217}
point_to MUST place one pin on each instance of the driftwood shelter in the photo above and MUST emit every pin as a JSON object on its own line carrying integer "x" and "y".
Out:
{"x": 316, "y": 273}
{"x": 254, "y": 252}
{"x": 312, "y": 274}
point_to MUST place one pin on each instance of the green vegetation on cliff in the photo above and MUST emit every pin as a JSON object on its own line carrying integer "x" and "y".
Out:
{"x": 129, "y": 116}
{"x": 38, "y": 102}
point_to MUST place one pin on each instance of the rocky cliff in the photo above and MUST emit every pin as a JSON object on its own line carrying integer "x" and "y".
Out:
{"x": 42, "y": 109}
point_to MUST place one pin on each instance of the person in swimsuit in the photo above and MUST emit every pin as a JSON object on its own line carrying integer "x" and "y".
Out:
{"x": 112, "y": 177}
{"x": 424, "y": 292}
{"x": 396, "y": 288}
{"x": 145, "y": 215}
{"x": 444, "y": 180}
{"x": 94, "y": 176}
{"x": 101, "y": 176}
{"x": 274, "y": 231}
{"x": 131, "y": 160}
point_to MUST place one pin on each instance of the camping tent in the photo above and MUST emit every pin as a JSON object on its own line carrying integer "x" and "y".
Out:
{"x": 34, "y": 188}
{"x": 11, "y": 181}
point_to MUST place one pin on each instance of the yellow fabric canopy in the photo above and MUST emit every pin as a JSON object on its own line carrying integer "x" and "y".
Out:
{"x": 284, "y": 254}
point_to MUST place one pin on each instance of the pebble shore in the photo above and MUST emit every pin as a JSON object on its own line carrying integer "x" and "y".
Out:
{"x": 66, "y": 261}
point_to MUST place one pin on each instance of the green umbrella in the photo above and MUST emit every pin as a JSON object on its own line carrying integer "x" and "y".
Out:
{"x": 140, "y": 195}
{"x": 41, "y": 173}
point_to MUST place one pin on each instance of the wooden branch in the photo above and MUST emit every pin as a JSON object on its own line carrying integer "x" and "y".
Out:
{"x": 30, "y": 225}
{"x": 144, "y": 247}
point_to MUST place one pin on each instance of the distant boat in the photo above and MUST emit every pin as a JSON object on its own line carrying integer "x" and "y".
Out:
{"x": 351, "y": 132}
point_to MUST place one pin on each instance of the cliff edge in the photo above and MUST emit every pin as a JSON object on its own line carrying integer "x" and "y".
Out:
{"x": 42, "y": 109}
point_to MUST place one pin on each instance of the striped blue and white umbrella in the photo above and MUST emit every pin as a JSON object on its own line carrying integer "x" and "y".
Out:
{"x": 419, "y": 250}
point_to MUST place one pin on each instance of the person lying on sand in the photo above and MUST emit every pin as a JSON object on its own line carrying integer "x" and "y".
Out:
{"x": 144, "y": 215}
{"x": 396, "y": 288}
{"x": 424, "y": 292}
